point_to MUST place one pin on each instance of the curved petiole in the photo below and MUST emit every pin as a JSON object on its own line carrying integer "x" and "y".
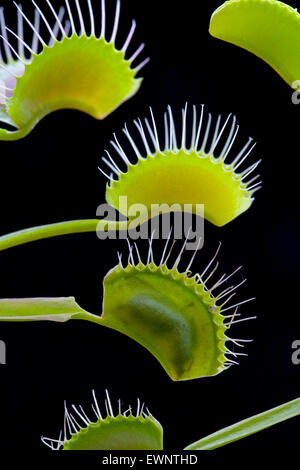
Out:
{"x": 62, "y": 228}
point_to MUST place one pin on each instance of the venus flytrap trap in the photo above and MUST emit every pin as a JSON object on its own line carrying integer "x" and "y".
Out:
{"x": 268, "y": 28}
{"x": 82, "y": 69}
{"x": 139, "y": 430}
{"x": 180, "y": 171}
{"x": 184, "y": 170}
{"x": 122, "y": 430}
{"x": 181, "y": 318}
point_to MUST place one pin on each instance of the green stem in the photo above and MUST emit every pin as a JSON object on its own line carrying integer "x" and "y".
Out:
{"x": 62, "y": 228}
{"x": 248, "y": 426}
{"x": 59, "y": 309}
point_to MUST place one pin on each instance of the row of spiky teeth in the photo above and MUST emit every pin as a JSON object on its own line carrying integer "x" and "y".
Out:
{"x": 198, "y": 143}
{"x": 202, "y": 278}
{"x": 73, "y": 427}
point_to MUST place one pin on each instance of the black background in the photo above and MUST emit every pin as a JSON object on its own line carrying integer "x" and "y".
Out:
{"x": 52, "y": 176}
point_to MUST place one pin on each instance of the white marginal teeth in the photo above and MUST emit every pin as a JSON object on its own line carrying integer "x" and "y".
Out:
{"x": 170, "y": 140}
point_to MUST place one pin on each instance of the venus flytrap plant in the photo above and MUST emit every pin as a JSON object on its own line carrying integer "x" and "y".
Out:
{"x": 82, "y": 69}
{"x": 181, "y": 318}
{"x": 181, "y": 170}
{"x": 270, "y": 29}
{"x": 139, "y": 430}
